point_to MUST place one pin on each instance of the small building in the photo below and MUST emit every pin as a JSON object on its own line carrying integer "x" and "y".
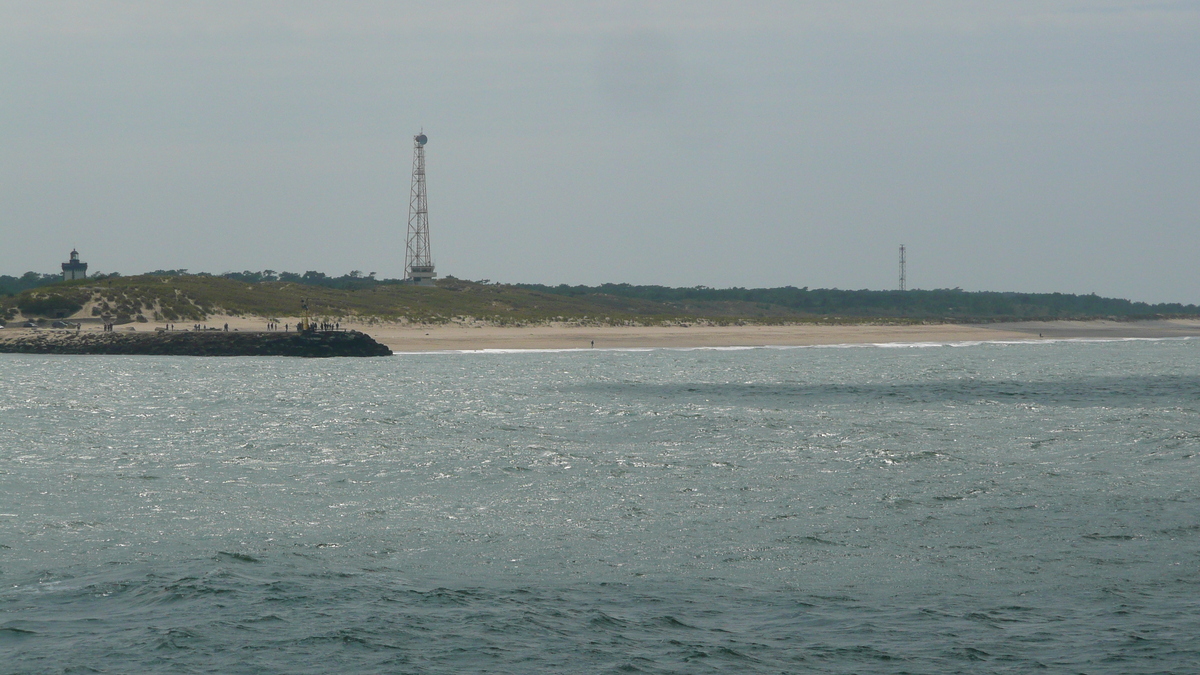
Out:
{"x": 73, "y": 269}
{"x": 421, "y": 275}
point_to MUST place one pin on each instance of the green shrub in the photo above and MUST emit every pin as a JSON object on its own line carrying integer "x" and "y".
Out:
{"x": 54, "y": 305}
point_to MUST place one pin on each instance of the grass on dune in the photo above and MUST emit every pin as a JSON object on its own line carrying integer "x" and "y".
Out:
{"x": 195, "y": 297}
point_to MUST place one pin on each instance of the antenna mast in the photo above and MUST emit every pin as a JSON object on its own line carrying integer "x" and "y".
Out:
{"x": 418, "y": 266}
{"x": 903, "y": 274}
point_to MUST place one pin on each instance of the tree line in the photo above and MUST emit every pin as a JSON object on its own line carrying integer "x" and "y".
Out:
{"x": 10, "y": 285}
{"x": 951, "y": 303}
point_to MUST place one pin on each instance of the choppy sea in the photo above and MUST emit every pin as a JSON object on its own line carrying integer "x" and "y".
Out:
{"x": 965, "y": 508}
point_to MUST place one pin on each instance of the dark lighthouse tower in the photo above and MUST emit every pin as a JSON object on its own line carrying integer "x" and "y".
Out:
{"x": 73, "y": 269}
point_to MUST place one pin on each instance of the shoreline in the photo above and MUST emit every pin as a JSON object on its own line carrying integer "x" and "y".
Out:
{"x": 456, "y": 337}
{"x": 459, "y": 338}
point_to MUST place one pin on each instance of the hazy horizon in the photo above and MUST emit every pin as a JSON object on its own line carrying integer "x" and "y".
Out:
{"x": 1029, "y": 146}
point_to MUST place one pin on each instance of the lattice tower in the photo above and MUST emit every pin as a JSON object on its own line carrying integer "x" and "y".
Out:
{"x": 418, "y": 265}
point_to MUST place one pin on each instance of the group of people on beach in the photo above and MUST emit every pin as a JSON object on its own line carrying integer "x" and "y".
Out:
{"x": 323, "y": 326}
{"x": 274, "y": 325}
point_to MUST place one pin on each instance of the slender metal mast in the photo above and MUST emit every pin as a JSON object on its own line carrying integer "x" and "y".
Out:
{"x": 418, "y": 265}
{"x": 903, "y": 272}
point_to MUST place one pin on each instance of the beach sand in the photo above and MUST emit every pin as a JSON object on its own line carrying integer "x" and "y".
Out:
{"x": 410, "y": 338}
{"x": 416, "y": 339}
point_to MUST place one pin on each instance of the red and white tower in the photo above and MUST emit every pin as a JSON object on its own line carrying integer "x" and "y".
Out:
{"x": 418, "y": 265}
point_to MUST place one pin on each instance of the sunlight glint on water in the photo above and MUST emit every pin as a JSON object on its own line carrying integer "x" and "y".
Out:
{"x": 984, "y": 507}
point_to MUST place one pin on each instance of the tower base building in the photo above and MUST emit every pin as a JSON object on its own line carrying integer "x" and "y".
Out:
{"x": 421, "y": 275}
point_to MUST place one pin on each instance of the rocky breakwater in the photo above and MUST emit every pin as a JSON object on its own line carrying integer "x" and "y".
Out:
{"x": 195, "y": 343}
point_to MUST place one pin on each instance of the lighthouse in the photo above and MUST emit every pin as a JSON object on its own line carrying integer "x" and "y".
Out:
{"x": 73, "y": 269}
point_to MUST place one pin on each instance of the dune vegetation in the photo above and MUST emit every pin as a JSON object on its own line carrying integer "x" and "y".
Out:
{"x": 180, "y": 297}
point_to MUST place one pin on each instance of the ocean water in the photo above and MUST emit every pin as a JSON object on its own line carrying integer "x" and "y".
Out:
{"x": 981, "y": 508}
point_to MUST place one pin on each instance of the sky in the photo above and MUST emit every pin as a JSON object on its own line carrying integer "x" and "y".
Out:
{"x": 1033, "y": 146}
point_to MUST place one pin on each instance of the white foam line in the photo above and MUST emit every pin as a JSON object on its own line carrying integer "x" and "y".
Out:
{"x": 517, "y": 351}
{"x": 844, "y": 345}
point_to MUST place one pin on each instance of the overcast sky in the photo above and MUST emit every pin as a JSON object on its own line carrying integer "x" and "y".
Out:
{"x": 1018, "y": 145}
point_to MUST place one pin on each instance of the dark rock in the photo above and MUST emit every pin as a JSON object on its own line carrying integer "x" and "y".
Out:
{"x": 319, "y": 344}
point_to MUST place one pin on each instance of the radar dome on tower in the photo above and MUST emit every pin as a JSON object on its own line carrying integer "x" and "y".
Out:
{"x": 421, "y": 138}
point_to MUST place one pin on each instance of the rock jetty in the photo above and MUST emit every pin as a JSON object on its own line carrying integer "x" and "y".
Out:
{"x": 195, "y": 343}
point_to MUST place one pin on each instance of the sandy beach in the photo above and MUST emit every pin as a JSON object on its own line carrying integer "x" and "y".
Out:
{"x": 456, "y": 337}
{"x": 403, "y": 339}
{"x": 415, "y": 339}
